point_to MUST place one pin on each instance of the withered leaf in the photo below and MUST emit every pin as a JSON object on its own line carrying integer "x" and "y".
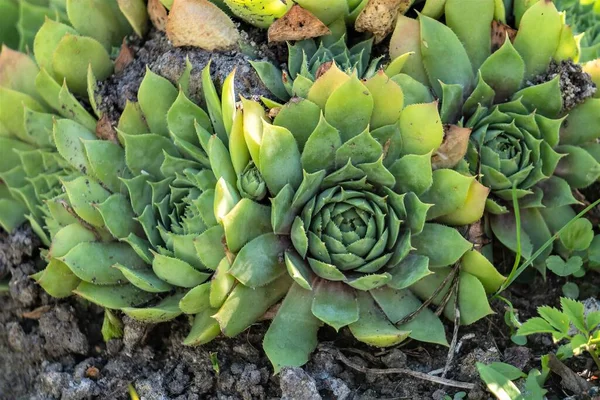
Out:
{"x": 379, "y": 17}
{"x": 499, "y": 32}
{"x": 297, "y": 24}
{"x": 453, "y": 148}
{"x": 158, "y": 15}
{"x": 105, "y": 131}
{"x": 124, "y": 58}
{"x": 202, "y": 24}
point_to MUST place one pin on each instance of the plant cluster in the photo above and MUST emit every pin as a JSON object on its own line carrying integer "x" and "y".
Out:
{"x": 348, "y": 204}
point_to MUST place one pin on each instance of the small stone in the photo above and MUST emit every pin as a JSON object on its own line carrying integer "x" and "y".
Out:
{"x": 296, "y": 384}
{"x": 394, "y": 359}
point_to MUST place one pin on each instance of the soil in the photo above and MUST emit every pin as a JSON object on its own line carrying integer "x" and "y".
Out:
{"x": 53, "y": 349}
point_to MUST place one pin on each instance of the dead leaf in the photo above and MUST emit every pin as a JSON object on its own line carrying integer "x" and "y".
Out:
{"x": 379, "y": 18}
{"x": 273, "y": 112}
{"x": 405, "y": 5}
{"x": 124, "y": 58}
{"x": 105, "y": 130}
{"x": 37, "y": 313}
{"x": 499, "y": 32}
{"x": 158, "y": 15}
{"x": 202, "y": 24}
{"x": 323, "y": 68}
{"x": 297, "y": 24}
{"x": 570, "y": 380}
{"x": 453, "y": 148}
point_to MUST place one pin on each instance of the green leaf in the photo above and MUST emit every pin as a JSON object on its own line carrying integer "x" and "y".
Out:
{"x": 270, "y": 75}
{"x": 441, "y": 244}
{"x": 213, "y": 103}
{"x": 58, "y": 280}
{"x": 301, "y": 117}
{"x": 410, "y": 270}
{"x": 470, "y": 21}
{"x": 177, "y": 272}
{"x": 71, "y": 59}
{"x": 421, "y": 128}
{"x": 67, "y": 138}
{"x": 439, "y": 47}
{"x": 448, "y": 193}
{"x": 112, "y": 327}
{"x": 504, "y": 71}
{"x": 349, "y": 108}
{"x": 373, "y": 327}
{"x": 279, "y": 159}
{"x": 477, "y": 265}
{"x": 320, "y": 148}
{"x": 556, "y": 318}
{"x": 570, "y": 290}
{"x": 261, "y": 261}
{"x": 335, "y": 304}
{"x": 245, "y": 222}
{"x": 575, "y": 311}
{"x": 165, "y": 310}
{"x": 196, "y": 300}
{"x": 497, "y": 383}
{"x": 561, "y": 268}
{"x": 413, "y": 173}
{"x": 246, "y": 305}
{"x": 292, "y": 335}
{"x": 144, "y": 279}
{"x": 536, "y": 325}
{"x": 113, "y": 296}
{"x": 156, "y": 95}
{"x": 578, "y": 236}
{"x": 385, "y": 111}
{"x": 83, "y": 194}
{"x": 204, "y": 329}
{"x": 540, "y": 20}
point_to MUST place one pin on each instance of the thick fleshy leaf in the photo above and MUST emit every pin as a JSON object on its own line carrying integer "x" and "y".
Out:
{"x": 472, "y": 209}
{"x": 579, "y": 168}
{"x": 582, "y": 124}
{"x": 373, "y": 327}
{"x": 83, "y": 193}
{"x": 398, "y": 304}
{"x": 349, "y": 108}
{"x": 46, "y": 40}
{"x": 177, "y": 272}
{"x": 300, "y": 117}
{"x": 67, "y": 137}
{"x": 144, "y": 279}
{"x": 439, "y": 47}
{"x": 413, "y": 173}
{"x": 156, "y": 95}
{"x": 107, "y": 162}
{"x": 113, "y": 296}
{"x": 504, "y": 228}
{"x": 71, "y": 59}
{"x": 321, "y": 146}
{"x": 270, "y": 75}
{"x": 261, "y": 261}
{"x": 410, "y": 270}
{"x": 407, "y": 39}
{"x": 448, "y": 193}
{"x": 196, "y": 300}
{"x": 470, "y": 20}
{"x": 58, "y": 280}
{"x": 254, "y": 115}
{"x": 245, "y": 222}
{"x": 335, "y": 304}
{"x": 540, "y": 20}
{"x": 443, "y": 245}
{"x": 279, "y": 159}
{"x": 414, "y": 91}
{"x": 204, "y": 329}
{"x": 385, "y": 111}
{"x": 477, "y": 265}
{"x": 470, "y": 288}
{"x": 323, "y": 87}
{"x": 421, "y": 128}
{"x": 209, "y": 246}
{"x": 545, "y": 98}
{"x": 292, "y": 335}
{"x": 234, "y": 318}
{"x": 504, "y": 71}
{"x": 70, "y": 236}
{"x": 167, "y": 309}
{"x": 92, "y": 261}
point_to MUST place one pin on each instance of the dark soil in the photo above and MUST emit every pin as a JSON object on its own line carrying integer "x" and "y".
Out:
{"x": 52, "y": 349}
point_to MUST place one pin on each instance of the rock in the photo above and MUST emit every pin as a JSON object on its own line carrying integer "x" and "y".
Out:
{"x": 133, "y": 333}
{"x": 394, "y": 359}
{"x": 59, "y": 328}
{"x": 296, "y": 384}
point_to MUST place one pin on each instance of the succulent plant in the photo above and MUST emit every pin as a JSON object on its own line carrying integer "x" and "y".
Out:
{"x": 524, "y": 142}
{"x": 20, "y": 20}
{"x": 334, "y": 205}
{"x": 307, "y": 60}
{"x": 584, "y": 17}
{"x": 26, "y": 146}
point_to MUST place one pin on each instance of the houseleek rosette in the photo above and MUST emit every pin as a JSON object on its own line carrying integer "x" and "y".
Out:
{"x": 523, "y": 142}
{"x": 344, "y": 238}
{"x": 30, "y": 168}
{"x": 306, "y": 59}
{"x": 136, "y": 226}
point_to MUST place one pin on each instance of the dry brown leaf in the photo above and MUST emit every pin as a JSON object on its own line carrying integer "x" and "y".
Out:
{"x": 158, "y": 15}
{"x": 453, "y": 148}
{"x": 499, "y": 32}
{"x": 202, "y": 24}
{"x": 37, "y": 313}
{"x": 297, "y": 24}
{"x": 92, "y": 372}
{"x": 124, "y": 58}
{"x": 105, "y": 131}
{"x": 570, "y": 380}
{"x": 405, "y": 5}
{"x": 323, "y": 68}
{"x": 379, "y": 18}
